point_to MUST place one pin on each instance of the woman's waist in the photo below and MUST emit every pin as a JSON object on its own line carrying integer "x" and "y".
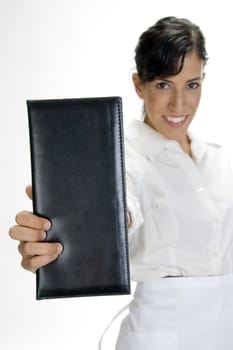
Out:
{"x": 187, "y": 282}
{"x": 144, "y": 267}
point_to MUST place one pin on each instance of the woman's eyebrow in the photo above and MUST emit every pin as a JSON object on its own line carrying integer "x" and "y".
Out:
{"x": 196, "y": 78}
{"x": 188, "y": 81}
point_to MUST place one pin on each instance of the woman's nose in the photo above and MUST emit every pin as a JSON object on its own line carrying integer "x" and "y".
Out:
{"x": 177, "y": 102}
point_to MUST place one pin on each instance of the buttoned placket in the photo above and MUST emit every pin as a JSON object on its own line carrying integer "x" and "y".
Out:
{"x": 190, "y": 168}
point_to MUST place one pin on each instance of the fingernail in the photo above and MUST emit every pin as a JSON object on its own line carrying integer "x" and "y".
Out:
{"x": 47, "y": 225}
{"x": 43, "y": 235}
{"x": 59, "y": 248}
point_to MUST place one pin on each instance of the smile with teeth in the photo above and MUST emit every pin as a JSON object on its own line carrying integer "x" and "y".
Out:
{"x": 178, "y": 120}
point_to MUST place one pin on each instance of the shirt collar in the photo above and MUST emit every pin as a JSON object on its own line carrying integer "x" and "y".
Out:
{"x": 151, "y": 143}
{"x": 198, "y": 146}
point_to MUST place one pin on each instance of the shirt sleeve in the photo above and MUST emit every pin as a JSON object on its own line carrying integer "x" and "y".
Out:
{"x": 219, "y": 165}
{"x": 133, "y": 207}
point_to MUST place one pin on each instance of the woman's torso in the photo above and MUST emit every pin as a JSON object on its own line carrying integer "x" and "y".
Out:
{"x": 186, "y": 207}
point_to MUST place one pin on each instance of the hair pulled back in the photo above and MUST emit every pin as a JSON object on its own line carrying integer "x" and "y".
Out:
{"x": 161, "y": 49}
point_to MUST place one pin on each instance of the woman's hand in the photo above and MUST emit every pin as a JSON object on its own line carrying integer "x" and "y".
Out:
{"x": 31, "y": 231}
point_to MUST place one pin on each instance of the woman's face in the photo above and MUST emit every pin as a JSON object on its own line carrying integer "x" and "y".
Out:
{"x": 171, "y": 103}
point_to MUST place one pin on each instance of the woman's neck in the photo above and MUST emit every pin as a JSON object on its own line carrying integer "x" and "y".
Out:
{"x": 186, "y": 146}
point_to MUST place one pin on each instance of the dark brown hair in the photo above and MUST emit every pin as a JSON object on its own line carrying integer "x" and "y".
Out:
{"x": 161, "y": 49}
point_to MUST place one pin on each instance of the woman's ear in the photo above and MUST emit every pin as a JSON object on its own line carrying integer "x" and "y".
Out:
{"x": 138, "y": 85}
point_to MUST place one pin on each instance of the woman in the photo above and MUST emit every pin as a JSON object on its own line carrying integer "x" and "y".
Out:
{"x": 180, "y": 206}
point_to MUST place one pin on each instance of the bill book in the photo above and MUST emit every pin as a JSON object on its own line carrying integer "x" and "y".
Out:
{"x": 78, "y": 179}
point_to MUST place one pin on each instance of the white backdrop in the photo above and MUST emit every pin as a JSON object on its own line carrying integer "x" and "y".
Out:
{"x": 82, "y": 48}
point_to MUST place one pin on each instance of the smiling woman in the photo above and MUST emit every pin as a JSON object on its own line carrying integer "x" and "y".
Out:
{"x": 179, "y": 186}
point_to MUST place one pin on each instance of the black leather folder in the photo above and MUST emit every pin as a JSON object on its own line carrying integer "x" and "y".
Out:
{"x": 78, "y": 179}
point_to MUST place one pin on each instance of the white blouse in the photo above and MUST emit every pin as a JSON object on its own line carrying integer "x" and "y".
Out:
{"x": 181, "y": 208}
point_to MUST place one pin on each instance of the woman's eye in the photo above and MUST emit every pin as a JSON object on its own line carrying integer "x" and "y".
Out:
{"x": 162, "y": 85}
{"x": 193, "y": 85}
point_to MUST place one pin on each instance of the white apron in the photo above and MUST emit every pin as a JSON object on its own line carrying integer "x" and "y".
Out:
{"x": 180, "y": 313}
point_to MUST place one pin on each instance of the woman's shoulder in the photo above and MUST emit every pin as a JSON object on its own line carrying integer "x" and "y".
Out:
{"x": 134, "y": 141}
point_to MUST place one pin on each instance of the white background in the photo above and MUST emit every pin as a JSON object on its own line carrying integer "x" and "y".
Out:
{"x": 82, "y": 48}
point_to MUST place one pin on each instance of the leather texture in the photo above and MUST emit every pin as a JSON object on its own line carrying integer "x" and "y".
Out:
{"x": 78, "y": 178}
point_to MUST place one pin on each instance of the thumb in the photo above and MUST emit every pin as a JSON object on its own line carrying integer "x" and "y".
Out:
{"x": 29, "y": 191}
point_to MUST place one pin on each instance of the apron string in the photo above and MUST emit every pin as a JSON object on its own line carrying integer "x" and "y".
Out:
{"x": 109, "y": 325}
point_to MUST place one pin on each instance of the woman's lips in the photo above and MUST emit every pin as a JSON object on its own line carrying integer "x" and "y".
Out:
{"x": 175, "y": 121}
